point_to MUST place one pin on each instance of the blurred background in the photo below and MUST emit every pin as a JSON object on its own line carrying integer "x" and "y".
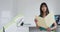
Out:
{"x": 29, "y": 8}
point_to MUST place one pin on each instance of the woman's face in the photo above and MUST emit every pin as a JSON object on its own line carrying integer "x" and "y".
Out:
{"x": 44, "y": 8}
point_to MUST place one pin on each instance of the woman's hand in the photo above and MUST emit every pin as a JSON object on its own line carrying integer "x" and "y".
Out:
{"x": 48, "y": 29}
{"x": 36, "y": 23}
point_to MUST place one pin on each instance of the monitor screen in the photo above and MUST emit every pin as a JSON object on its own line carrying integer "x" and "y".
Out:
{"x": 57, "y": 18}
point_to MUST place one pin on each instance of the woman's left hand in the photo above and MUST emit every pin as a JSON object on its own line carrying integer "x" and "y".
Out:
{"x": 49, "y": 29}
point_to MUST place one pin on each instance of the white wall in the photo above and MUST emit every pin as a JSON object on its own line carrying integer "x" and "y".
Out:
{"x": 7, "y": 11}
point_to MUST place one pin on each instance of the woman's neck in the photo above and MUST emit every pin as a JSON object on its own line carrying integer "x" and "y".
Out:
{"x": 44, "y": 14}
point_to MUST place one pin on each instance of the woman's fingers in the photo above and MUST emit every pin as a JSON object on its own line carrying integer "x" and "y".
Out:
{"x": 48, "y": 29}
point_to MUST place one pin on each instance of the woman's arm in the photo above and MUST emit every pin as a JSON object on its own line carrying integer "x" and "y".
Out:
{"x": 36, "y": 23}
{"x": 55, "y": 26}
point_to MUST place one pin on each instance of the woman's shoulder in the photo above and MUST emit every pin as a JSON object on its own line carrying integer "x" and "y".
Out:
{"x": 51, "y": 13}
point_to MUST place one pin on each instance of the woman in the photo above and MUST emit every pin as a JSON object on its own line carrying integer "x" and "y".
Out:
{"x": 44, "y": 12}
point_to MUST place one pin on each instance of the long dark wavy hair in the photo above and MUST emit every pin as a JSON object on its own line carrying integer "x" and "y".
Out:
{"x": 47, "y": 10}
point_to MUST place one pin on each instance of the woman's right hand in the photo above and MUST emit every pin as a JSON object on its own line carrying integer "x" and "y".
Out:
{"x": 37, "y": 26}
{"x": 36, "y": 23}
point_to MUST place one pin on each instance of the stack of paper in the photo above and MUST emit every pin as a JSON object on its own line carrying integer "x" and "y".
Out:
{"x": 46, "y": 21}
